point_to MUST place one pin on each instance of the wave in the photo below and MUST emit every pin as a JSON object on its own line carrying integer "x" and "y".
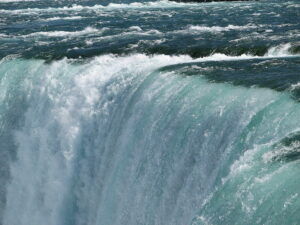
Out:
{"x": 63, "y": 18}
{"x": 110, "y": 6}
{"x": 87, "y": 30}
{"x": 9, "y": 1}
{"x": 216, "y": 29}
{"x": 280, "y": 50}
{"x": 155, "y": 4}
{"x": 4, "y": 35}
{"x": 38, "y": 10}
{"x": 134, "y": 30}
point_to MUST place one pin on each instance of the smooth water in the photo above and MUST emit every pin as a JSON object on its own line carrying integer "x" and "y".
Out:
{"x": 149, "y": 113}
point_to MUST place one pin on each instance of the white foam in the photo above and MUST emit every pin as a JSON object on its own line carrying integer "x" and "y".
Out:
{"x": 64, "y": 18}
{"x": 9, "y": 1}
{"x": 4, "y": 36}
{"x": 217, "y": 29}
{"x": 135, "y": 28}
{"x": 280, "y": 50}
{"x": 87, "y": 30}
{"x": 111, "y": 6}
{"x": 290, "y": 200}
{"x": 294, "y": 6}
{"x": 154, "y": 4}
{"x": 295, "y": 86}
{"x": 41, "y": 10}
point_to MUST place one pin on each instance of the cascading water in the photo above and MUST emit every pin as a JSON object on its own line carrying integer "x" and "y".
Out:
{"x": 132, "y": 137}
{"x": 107, "y": 143}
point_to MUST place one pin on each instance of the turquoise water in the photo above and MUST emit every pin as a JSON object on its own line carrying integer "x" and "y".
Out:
{"x": 153, "y": 113}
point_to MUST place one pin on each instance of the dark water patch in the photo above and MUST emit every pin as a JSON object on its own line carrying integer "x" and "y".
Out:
{"x": 280, "y": 74}
{"x": 287, "y": 156}
{"x": 198, "y": 52}
{"x": 295, "y": 49}
{"x": 288, "y": 149}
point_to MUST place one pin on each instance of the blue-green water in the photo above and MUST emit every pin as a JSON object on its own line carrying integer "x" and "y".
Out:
{"x": 149, "y": 112}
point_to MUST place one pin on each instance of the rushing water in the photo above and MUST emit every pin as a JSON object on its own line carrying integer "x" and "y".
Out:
{"x": 149, "y": 113}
